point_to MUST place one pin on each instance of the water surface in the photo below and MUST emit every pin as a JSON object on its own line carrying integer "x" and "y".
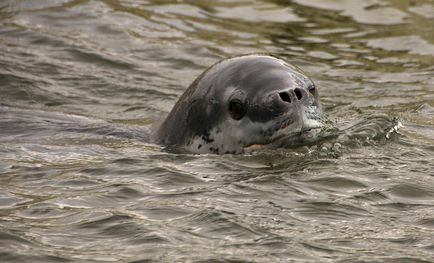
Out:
{"x": 71, "y": 190}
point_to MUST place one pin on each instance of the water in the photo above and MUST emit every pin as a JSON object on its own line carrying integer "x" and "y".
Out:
{"x": 69, "y": 191}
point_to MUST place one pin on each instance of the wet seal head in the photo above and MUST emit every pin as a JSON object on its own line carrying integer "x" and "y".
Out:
{"x": 244, "y": 103}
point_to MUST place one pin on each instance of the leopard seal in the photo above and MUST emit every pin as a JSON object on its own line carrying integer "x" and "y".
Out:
{"x": 242, "y": 103}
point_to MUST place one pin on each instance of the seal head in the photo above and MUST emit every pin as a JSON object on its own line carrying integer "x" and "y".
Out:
{"x": 241, "y": 103}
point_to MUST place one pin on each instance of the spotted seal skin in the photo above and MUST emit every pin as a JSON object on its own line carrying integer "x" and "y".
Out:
{"x": 244, "y": 103}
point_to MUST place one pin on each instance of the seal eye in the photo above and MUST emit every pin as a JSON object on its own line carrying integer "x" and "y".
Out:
{"x": 236, "y": 109}
{"x": 312, "y": 89}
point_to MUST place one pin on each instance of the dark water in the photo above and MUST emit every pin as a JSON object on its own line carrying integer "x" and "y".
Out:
{"x": 365, "y": 194}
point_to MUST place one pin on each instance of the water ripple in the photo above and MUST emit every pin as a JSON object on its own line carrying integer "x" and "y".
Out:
{"x": 79, "y": 80}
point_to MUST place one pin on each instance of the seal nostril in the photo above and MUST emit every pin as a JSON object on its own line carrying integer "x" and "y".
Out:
{"x": 298, "y": 93}
{"x": 285, "y": 96}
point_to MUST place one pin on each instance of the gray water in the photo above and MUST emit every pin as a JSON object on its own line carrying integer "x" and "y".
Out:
{"x": 72, "y": 194}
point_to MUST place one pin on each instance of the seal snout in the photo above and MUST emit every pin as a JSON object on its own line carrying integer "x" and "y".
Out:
{"x": 292, "y": 95}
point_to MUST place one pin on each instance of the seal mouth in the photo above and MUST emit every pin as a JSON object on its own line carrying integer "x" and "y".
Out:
{"x": 296, "y": 134}
{"x": 289, "y": 133}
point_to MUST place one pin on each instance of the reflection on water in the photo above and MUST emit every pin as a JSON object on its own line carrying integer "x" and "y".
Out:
{"x": 71, "y": 190}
